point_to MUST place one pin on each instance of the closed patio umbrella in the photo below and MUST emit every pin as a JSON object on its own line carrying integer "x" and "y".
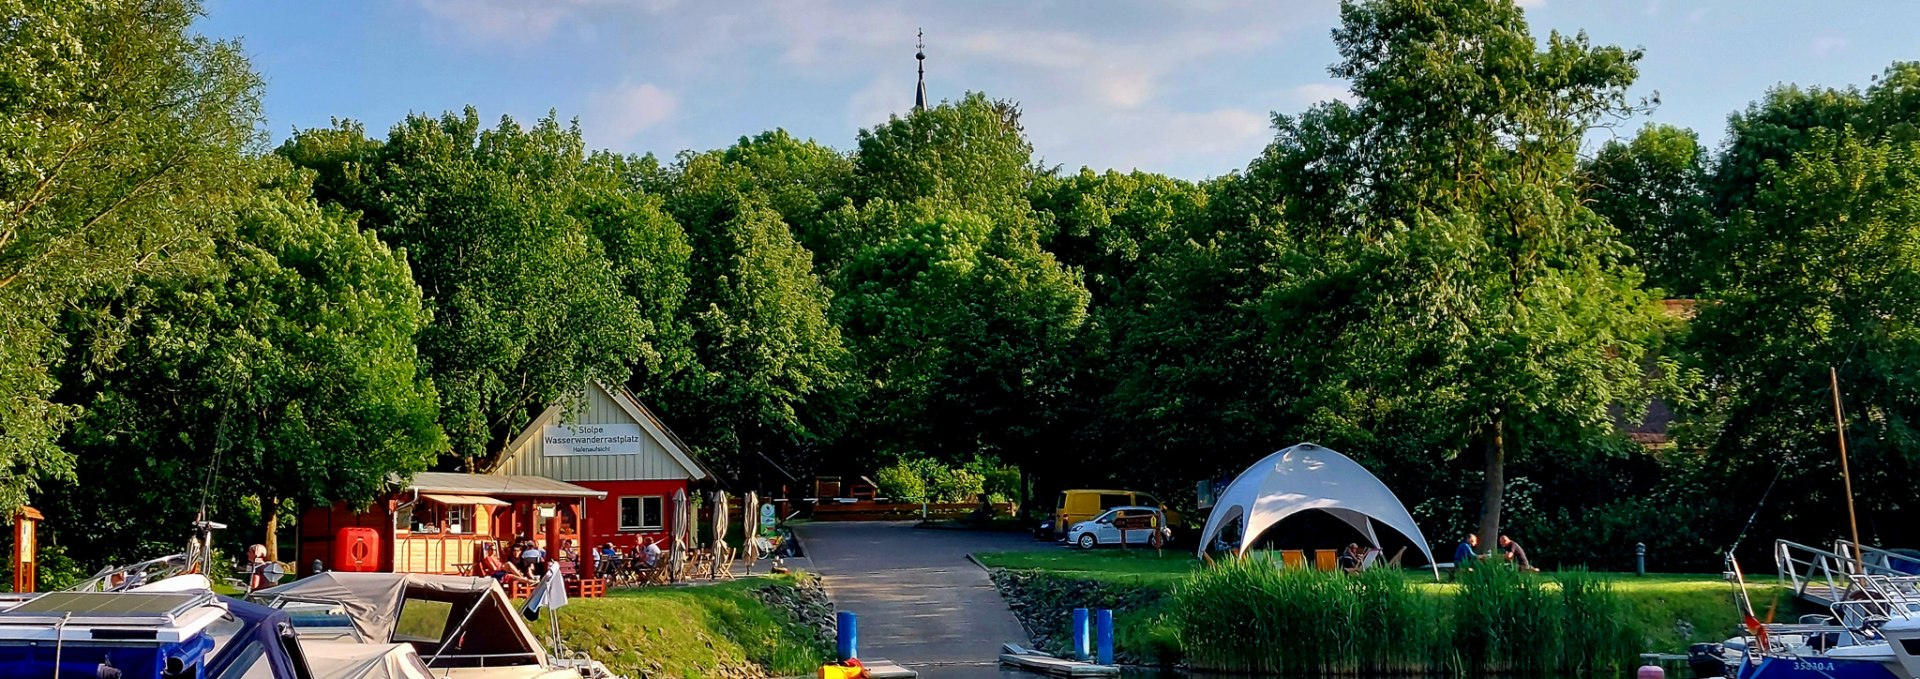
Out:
{"x": 678, "y": 558}
{"x": 719, "y": 529}
{"x": 750, "y": 527}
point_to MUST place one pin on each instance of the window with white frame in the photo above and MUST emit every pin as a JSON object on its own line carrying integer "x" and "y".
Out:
{"x": 642, "y": 513}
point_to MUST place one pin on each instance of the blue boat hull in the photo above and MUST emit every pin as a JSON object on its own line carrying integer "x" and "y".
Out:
{"x": 1815, "y": 667}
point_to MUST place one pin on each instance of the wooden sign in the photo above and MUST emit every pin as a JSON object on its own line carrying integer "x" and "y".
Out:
{"x": 25, "y": 548}
{"x": 1141, "y": 522}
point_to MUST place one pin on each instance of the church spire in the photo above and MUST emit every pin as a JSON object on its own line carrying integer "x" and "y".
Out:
{"x": 920, "y": 55}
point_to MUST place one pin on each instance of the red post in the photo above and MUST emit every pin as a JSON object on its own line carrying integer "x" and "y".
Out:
{"x": 553, "y": 533}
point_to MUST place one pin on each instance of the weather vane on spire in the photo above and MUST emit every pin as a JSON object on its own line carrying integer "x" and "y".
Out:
{"x": 920, "y": 55}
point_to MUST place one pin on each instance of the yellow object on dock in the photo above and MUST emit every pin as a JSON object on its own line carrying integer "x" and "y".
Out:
{"x": 839, "y": 672}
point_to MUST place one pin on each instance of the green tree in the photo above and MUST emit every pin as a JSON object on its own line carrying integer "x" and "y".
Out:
{"x": 1456, "y": 291}
{"x": 526, "y": 307}
{"x": 1825, "y": 264}
{"x": 650, "y": 256}
{"x": 770, "y": 362}
{"x": 963, "y": 327}
{"x": 1652, "y": 190}
{"x": 120, "y": 131}
{"x": 801, "y": 180}
{"x": 287, "y": 365}
{"x": 1770, "y": 131}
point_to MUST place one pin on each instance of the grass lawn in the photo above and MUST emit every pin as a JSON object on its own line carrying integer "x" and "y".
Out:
{"x": 1670, "y": 610}
{"x": 1138, "y": 565}
{"x": 691, "y": 631}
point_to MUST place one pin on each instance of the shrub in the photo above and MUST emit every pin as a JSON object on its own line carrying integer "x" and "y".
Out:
{"x": 901, "y": 483}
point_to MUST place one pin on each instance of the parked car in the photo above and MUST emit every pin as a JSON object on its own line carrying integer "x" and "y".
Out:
{"x": 1142, "y": 523}
{"x": 1074, "y": 506}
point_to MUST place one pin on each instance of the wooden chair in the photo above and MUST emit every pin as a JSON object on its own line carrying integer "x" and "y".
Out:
{"x": 1395, "y": 561}
{"x": 1326, "y": 560}
{"x": 723, "y": 565}
{"x": 1293, "y": 558}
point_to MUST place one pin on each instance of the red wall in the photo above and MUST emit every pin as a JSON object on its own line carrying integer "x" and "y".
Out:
{"x": 603, "y": 516}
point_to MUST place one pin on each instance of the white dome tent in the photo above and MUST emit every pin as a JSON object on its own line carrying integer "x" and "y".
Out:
{"x": 1308, "y": 477}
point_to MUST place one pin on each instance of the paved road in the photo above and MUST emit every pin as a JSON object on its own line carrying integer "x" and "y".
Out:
{"x": 921, "y": 602}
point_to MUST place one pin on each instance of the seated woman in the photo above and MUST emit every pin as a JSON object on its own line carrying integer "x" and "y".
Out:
{"x": 497, "y": 568}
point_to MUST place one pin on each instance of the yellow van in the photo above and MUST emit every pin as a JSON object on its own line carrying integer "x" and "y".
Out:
{"x": 1074, "y": 506}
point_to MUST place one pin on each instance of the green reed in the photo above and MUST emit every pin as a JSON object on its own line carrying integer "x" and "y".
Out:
{"x": 1253, "y": 617}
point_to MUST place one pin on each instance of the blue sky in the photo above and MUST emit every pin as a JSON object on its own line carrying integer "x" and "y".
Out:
{"x": 1182, "y": 88}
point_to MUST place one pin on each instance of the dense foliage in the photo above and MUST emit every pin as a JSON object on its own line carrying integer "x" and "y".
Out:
{"x": 1434, "y": 277}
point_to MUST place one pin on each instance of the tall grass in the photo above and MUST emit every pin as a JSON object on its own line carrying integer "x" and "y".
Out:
{"x": 1252, "y": 617}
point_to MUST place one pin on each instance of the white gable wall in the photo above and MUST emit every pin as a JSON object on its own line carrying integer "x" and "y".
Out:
{"x": 526, "y": 454}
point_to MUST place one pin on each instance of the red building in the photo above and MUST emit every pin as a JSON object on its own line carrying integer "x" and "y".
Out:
{"x": 609, "y": 442}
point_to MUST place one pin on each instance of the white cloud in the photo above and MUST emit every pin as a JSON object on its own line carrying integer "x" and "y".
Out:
{"x": 1314, "y": 93}
{"x": 1827, "y": 44}
{"x": 1530, "y": 4}
{"x": 886, "y": 95}
{"x": 1696, "y": 15}
{"x": 616, "y": 115}
{"x": 1149, "y": 139}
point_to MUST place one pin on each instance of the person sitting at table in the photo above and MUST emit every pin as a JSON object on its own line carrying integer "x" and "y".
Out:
{"x": 534, "y": 560}
{"x": 491, "y": 565}
{"x": 651, "y": 553}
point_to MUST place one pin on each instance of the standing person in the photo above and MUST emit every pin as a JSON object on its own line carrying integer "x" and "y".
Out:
{"x": 1464, "y": 555}
{"x": 1515, "y": 554}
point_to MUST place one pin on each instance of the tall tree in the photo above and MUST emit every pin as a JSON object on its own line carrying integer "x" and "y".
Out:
{"x": 1825, "y": 273}
{"x": 526, "y": 308}
{"x": 1652, "y": 190}
{"x": 120, "y": 131}
{"x": 769, "y": 360}
{"x": 1458, "y": 292}
{"x": 284, "y": 371}
{"x": 964, "y": 327}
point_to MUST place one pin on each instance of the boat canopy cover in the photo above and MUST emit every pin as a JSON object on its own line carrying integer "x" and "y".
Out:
{"x": 374, "y": 602}
{"x": 1308, "y": 477}
{"x": 353, "y": 660}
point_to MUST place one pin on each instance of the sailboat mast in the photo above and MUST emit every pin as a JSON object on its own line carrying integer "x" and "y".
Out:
{"x": 1846, "y": 477}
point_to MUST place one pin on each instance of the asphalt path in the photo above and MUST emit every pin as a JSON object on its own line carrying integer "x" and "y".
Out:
{"x": 920, "y": 602}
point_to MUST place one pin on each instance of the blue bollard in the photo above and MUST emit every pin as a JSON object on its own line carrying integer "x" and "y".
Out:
{"x": 1104, "y": 636}
{"x": 847, "y": 635}
{"x": 1080, "y": 634}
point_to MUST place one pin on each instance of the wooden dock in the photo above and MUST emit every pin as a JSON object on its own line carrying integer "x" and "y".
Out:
{"x": 1035, "y": 661}
{"x": 882, "y": 668}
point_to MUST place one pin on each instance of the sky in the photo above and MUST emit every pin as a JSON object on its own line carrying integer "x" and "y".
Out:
{"x": 1183, "y": 88}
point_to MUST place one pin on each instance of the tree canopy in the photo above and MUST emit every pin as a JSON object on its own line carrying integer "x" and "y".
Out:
{"x": 1456, "y": 276}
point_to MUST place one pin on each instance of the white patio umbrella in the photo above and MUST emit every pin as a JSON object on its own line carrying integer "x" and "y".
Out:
{"x": 719, "y": 530}
{"x": 750, "y": 522}
{"x": 678, "y": 558}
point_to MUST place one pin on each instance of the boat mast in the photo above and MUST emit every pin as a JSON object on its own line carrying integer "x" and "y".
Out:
{"x": 1846, "y": 477}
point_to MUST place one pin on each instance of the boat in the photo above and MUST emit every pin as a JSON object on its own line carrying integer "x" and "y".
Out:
{"x": 461, "y": 627}
{"x": 184, "y": 632}
{"x": 1851, "y": 643}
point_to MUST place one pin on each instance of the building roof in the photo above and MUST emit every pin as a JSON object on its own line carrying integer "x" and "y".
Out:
{"x": 628, "y": 406}
{"x": 498, "y": 485}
